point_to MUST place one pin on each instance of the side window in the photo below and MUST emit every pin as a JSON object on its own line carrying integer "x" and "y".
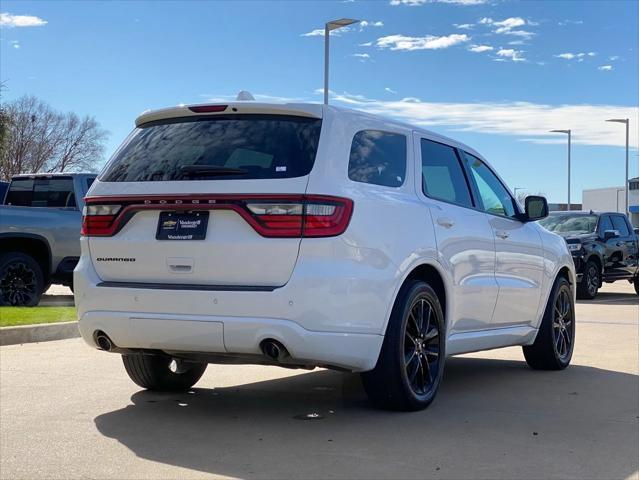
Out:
{"x": 53, "y": 192}
{"x": 604, "y": 224}
{"x": 494, "y": 196}
{"x": 90, "y": 182}
{"x": 442, "y": 174}
{"x": 378, "y": 157}
{"x": 20, "y": 192}
{"x": 619, "y": 223}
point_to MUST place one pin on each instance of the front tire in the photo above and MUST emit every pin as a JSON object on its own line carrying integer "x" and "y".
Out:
{"x": 411, "y": 364}
{"x": 21, "y": 280}
{"x": 555, "y": 340}
{"x": 162, "y": 372}
{"x": 590, "y": 281}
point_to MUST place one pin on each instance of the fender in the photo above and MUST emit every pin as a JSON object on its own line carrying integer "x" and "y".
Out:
{"x": 403, "y": 275}
{"x": 31, "y": 236}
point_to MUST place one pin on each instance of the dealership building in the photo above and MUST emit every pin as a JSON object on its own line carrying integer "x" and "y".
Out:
{"x": 613, "y": 199}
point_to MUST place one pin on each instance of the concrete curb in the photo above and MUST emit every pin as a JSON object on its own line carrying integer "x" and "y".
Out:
{"x": 38, "y": 333}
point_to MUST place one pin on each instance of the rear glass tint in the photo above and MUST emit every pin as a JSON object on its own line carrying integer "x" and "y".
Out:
{"x": 20, "y": 192}
{"x": 56, "y": 192}
{"x": 378, "y": 157}
{"x": 229, "y": 147}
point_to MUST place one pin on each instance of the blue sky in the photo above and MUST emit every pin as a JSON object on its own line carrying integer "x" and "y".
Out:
{"x": 494, "y": 74}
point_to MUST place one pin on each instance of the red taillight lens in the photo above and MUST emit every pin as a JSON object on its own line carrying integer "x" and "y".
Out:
{"x": 98, "y": 220}
{"x": 307, "y": 216}
{"x": 208, "y": 108}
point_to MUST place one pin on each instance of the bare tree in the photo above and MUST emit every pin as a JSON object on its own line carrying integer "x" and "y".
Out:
{"x": 41, "y": 139}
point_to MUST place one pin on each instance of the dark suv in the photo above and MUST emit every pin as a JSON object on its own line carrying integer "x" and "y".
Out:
{"x": 604, "y": 247}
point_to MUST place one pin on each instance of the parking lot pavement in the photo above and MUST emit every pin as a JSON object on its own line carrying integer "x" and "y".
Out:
{"x": 68, "y": 411}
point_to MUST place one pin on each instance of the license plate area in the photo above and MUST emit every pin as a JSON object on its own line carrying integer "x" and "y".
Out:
{"x": 182, "y": 225}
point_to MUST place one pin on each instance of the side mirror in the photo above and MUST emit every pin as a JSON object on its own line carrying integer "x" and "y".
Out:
{"x": 536, "y": 208}
{"x": 608, "y": 234}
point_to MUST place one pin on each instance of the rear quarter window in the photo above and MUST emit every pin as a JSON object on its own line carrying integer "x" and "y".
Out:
{"x": 220, "y": 147}
{"x": 378, "y": 157}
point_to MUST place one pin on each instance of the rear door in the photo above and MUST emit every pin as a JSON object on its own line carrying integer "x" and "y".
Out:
{"x": 205, "y": 200}
{"x": 627, "y": 245}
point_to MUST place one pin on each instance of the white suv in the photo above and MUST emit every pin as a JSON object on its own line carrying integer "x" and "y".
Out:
{"x": 309, "y": 236}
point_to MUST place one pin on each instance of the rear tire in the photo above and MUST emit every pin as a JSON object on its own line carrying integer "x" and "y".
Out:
{"x": 158, "y": 372}
{"x": 411, "y": 364}
{"x": 21, "y": 280}
{"x": 555, "y": 340}
{"x": 590, "y": 281}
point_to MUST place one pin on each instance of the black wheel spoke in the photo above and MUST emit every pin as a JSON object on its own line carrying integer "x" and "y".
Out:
{"x": 421, "y": 346}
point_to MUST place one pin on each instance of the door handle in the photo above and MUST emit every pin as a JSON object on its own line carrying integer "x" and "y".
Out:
{"x": 503, "y": 235}
{"x": 445, "y": 222}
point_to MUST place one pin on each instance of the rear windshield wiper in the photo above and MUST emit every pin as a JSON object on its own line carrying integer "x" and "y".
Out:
{"x": 206, "y": 170}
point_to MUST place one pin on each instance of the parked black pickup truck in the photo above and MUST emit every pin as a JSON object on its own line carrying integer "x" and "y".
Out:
{"x": 604, "y": 247}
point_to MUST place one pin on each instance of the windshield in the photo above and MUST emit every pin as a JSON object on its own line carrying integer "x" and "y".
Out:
{"x": 224, "y": 147}
{"x": 576, "y": 224}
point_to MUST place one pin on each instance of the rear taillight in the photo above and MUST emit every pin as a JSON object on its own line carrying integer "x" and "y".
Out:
{"x": 306, "y": 216}
{"x": 272, "y": 216}
{"x": 98, "y": 220}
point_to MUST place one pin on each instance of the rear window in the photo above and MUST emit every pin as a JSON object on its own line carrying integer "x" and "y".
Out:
{"x": 56, "y": 192}
{"x": 229, "y": 147}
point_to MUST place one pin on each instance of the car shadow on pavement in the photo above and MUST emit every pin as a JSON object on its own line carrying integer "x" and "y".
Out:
{"x": 492, "y": 419}
{"x": 612, "y": 298}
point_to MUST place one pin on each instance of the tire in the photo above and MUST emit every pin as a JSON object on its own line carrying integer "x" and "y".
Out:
{"x": 636, "y": 283}
{"x": 408, "y": 373}
{"x": 590, "y": 281}
{"x": 155, "y": 372}
{"x": 21, "y": 280}
{"x": 555, "y": 340}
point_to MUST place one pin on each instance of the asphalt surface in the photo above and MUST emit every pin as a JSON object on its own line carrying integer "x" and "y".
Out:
{"x": 67, "y": 411}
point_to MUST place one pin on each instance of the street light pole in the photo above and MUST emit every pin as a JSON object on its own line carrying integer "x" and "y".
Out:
{"x": 569, "y": 132}
{"x": 626, "y": 186}
{"x": 328, "y": 27}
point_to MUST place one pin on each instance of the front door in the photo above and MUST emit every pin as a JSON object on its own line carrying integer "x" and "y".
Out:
{"x": 519, "y": 263}
{"x": 465, "y": 239}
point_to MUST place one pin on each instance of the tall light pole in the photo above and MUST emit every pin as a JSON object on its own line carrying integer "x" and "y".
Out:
{"x": 627, "y": 187}
{"x": 569, "y": 132}
{"x": 328, "y": 27}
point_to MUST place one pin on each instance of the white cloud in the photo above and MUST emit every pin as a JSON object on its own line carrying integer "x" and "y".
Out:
{"x": 605, "y": 68}
{"x": 429, "y": 42}
{"x": 365, "y": 23}
{"x": 506, "y": 118}
{"x": 362, "y": 56}
{"x": 509, "y": 25}
{"x": 15, "y": 44}
{"x": 416, "y": 3}
{"x": 579, "y": 56}
{"x": 480, "y": 48}
{"x": 367, "y": 44}
{"x": 613, "y": 58}
{"x": 464, "y": 26}
{"x": 390, "y": 90}
{"x": 9, "y": 20}
{"x": 570, "y": 22}
{"x": 511, "y": 54}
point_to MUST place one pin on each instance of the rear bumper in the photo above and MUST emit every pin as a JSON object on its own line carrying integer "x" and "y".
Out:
{"x": 232, "y": 335}
{"x": 322, "y": 319}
